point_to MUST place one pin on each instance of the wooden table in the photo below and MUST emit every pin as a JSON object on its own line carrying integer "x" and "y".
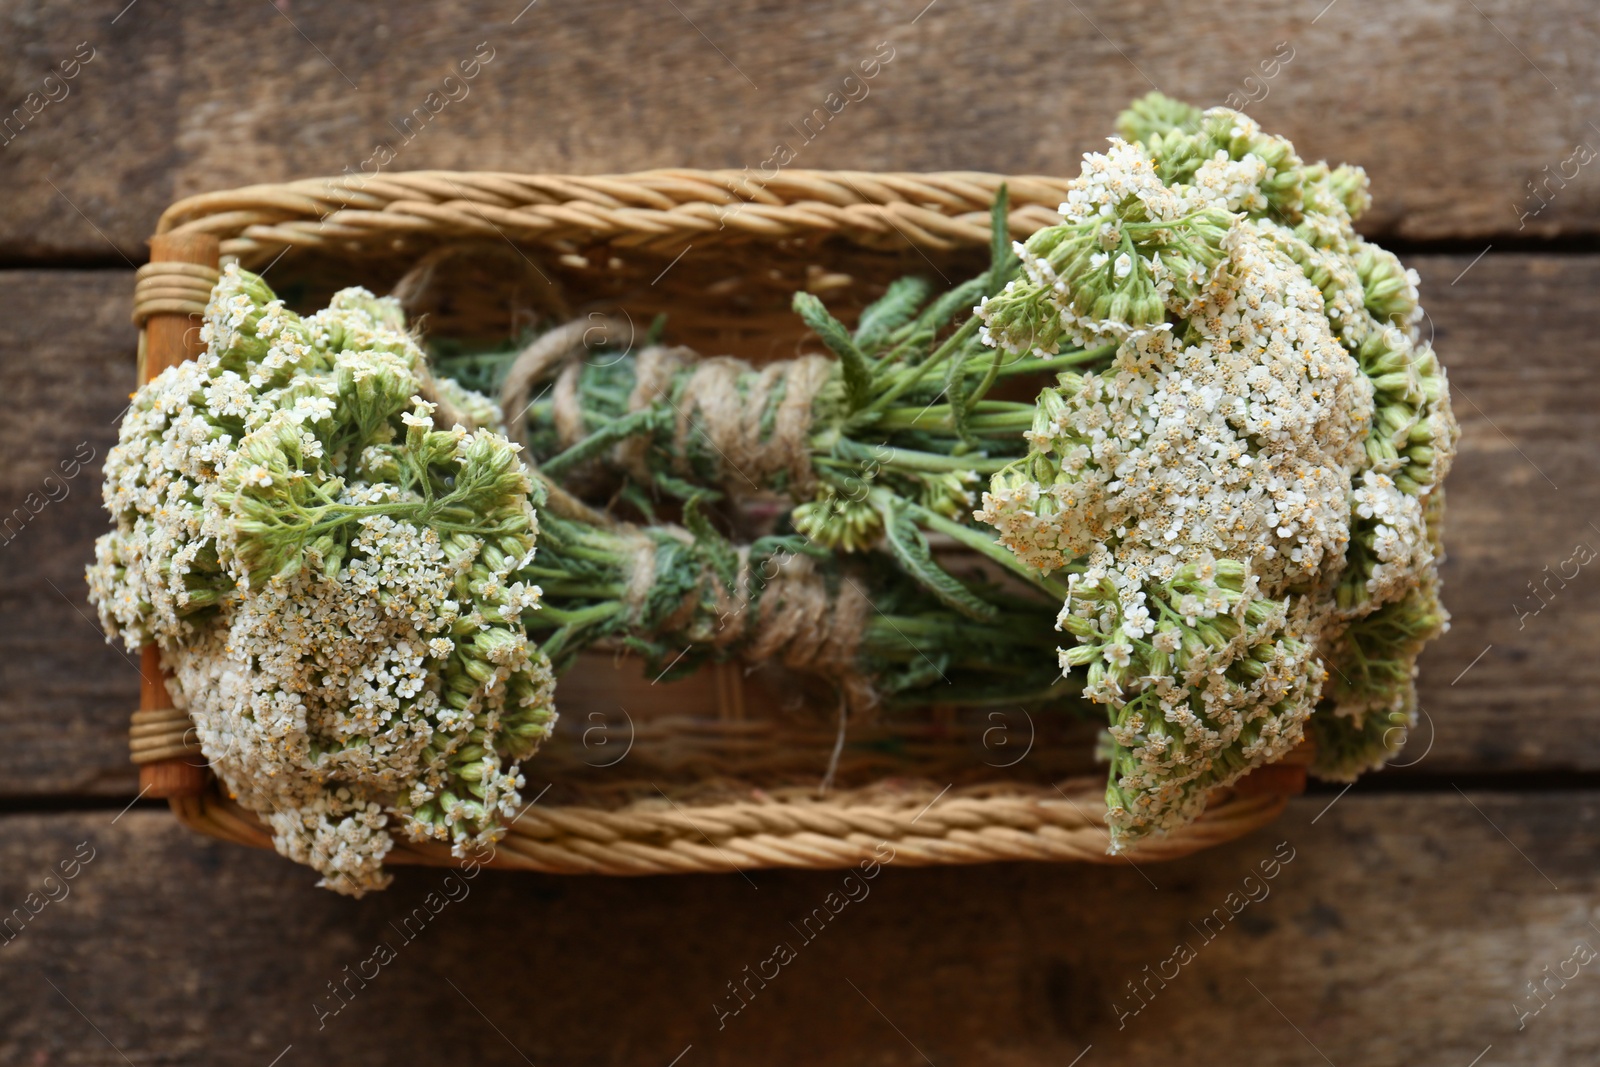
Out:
{"x": 1415, "y": 909}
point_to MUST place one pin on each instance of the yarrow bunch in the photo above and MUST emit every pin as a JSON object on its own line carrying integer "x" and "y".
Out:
{"x": 345, "y": 594}
{"x": 1244, "y": 498}
{"x": 330, "y": 580}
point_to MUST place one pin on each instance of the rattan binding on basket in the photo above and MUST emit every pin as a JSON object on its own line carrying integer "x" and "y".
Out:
{"x": 608, "y": 236}
{"x": 798, "y": 829}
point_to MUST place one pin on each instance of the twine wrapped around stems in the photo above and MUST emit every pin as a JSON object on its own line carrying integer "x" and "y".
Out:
{"x": 792, "y": 616}
{"x": 757, "y": 421}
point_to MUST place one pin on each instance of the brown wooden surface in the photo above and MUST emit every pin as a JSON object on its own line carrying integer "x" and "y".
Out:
{"x": 1400, "y": 932}
{"x": 1411, "y": 919}
{"x": 1452, "y": 107}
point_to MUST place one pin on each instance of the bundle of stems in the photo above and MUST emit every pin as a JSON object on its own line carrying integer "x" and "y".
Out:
{"x": 685, "y": 595}
{"x": 875, "y": 446}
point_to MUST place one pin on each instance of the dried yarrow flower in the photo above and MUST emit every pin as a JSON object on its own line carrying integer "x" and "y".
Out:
{"x": 1271, "y": 417}
{"x": 331, "y": 580}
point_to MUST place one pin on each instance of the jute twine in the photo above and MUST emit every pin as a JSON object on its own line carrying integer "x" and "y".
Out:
{"x": 723, "y": 400}
{"x": 805, "y": 625}
{"x": 565, "y": 347}
{"x": 780, "y": 609}
{"x": 712, "y": 405}
{"x": 798, "y": 621}
{"x": 428, "y": 274}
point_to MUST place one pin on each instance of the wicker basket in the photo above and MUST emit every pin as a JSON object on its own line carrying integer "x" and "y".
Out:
{"x": 715, "y": 775}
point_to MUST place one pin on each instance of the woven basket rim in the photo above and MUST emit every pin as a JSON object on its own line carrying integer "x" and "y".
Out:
{"x": 658, "y": 209}
{"x": 921, "y": 828}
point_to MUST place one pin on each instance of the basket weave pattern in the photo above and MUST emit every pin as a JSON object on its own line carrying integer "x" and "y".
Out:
{"x": 598, "y": 242}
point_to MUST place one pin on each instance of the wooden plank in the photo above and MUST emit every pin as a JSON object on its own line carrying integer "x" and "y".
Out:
{"x": 208, "y": 96}
{"x": 1501, "y": 693}
{"x": 66, "y": 371}
{"x": 1506, "y": 691}
{"x": 1392, "y": 931}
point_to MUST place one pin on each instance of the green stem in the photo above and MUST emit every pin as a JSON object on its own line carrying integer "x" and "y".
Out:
{"x": 559, "y": 588}
{"x": 905, "y": 459}
{"x": 596, "y": 442}
{"x": 952, "y": 630}
{"x": 1016, "y": 418}
{"x": 580, "y": 550}
{"x": 577, "y": 617}
{"x": 993, "y": 550}
{"x": 1061, "y": 362}
{"x": 332, "y": 516}
{"x": 955, "y": 341}
{"x": 988, "y": 378}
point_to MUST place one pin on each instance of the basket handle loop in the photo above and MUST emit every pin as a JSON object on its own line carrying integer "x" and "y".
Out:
{"x": 169, "y": 298}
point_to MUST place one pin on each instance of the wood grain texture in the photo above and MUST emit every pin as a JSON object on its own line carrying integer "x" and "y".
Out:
{"x": 1517, "y": 337}
{"x": 1397, "y": 931}
{"x": 1453, "y": 108}
{"x": 1500, "y": 692}
{"x": 66, "y": 371}
{"x": 1406, "y": 928}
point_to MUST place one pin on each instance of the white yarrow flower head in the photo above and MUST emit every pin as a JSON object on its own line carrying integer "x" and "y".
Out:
{"x": 1248, "y": 488}
{"x": 290, "y": 531}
